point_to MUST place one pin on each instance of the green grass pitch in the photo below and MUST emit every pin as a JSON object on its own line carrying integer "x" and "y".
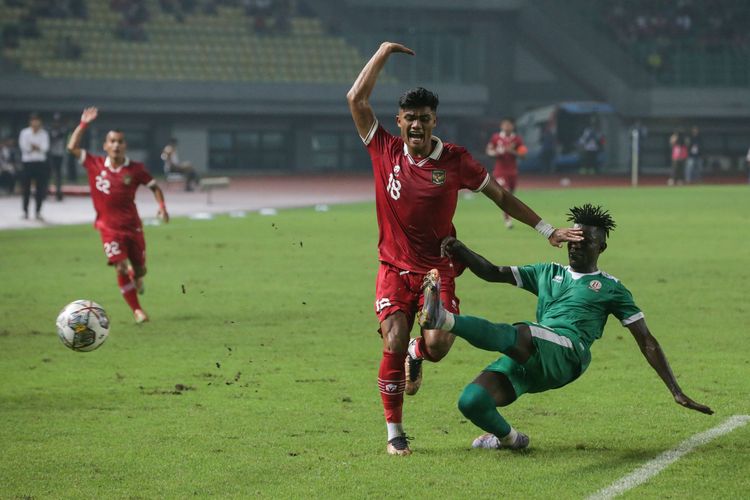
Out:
{"x": 266, "y": 327}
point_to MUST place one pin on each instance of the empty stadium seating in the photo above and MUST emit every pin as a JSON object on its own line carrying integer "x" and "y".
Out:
{"x": 203, "y": 47}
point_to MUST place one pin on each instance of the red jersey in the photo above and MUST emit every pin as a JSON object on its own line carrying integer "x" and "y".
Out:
{"x": 113, "y": 191}
{"x": 416, "y": 198}
{"x": 505, "y": 163}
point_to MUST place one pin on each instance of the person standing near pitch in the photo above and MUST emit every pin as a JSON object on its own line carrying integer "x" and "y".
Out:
{"x": 114, "y": 180}
{"x": 506, "y": 147}
{"x": 417, "y": 179}
{"x": 573, "y": 304}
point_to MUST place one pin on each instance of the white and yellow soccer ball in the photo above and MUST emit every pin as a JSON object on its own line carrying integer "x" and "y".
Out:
{"x": 83, "y": 325}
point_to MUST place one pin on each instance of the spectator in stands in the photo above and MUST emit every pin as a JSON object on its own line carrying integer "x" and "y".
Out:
{"x": 591, "y": 144}
{"x": 694, "y": 164}
{"x": 9, "y": 163}
{"x": 34, "y": 144}
{"x": 678, "y": 143}
{"x": 172, "y": 165}
{"x": 57, "y": 137}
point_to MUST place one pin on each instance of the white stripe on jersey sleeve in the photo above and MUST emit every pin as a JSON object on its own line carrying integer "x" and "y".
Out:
{"x": 517, "y": 275}
{"x": 632, "y": 319}
{"x": 82, "y": 158}
{"x": 483, "y": 184}
{"x": 151, "y": 184}
{"x": 371, "y": 133}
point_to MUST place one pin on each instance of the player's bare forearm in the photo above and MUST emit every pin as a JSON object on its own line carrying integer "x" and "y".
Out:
{"x": 358, "y": 96}
{"x": 88, "y": 116}
{"x": 510, "y": 204}
{"x": 480, "y": 266}
{"x": 159, "y": 196}
{"x": 655, "y": 356}
{"x": 74, "y": 143}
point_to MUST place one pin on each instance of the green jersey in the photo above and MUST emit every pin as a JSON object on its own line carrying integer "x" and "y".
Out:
{"x": 571, "y": 302}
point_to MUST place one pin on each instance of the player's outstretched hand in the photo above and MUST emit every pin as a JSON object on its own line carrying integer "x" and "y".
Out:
{"x": 89, "y": 115}
{"x": 449, "y": 245}
{"x": 393, "y": 47}
{"x": 685, "y": 401}
{"x": 561, "y": 235}
{"x": 163, "y": 214}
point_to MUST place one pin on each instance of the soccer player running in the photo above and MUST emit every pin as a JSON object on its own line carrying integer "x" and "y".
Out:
{"x": 114, "y": 179}
{"x": 417, "y": 179}
{"x": 573, "y": 304}
{"x": 506, "y": 147}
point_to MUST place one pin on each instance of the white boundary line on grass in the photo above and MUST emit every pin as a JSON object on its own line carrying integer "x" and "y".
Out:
{"x": 658, "y": 464}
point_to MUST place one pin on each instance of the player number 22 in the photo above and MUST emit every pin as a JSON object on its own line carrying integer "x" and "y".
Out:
{"x": 112, "y": 248}
{"x": 394, "y": 187}
{"x": 102, "y": 184}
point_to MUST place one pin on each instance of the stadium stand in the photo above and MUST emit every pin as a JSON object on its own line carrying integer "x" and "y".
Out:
{"x": 682, "y": 43}
{"x": 163, "y": 41}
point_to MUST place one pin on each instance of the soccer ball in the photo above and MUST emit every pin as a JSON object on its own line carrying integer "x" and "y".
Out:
{"x": 83, "y": 325}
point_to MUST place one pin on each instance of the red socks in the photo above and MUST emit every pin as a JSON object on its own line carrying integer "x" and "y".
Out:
{"x": 391, "y": 381}
{"x": 129, "y": 293}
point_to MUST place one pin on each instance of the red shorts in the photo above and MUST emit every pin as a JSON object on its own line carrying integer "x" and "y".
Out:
{"x": 123, "y": 245}
{"x": 399, "y": 290}
{"x": 507, "y": 181}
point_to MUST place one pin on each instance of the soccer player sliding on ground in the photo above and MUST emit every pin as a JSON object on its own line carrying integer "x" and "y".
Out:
{"x": 573, "y": 304}
{"x": 417, "y": 179}
{"x": 114, "y": 180}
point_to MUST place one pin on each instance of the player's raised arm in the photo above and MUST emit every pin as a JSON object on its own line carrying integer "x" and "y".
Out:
{"x": 522, "y": 212}
{"x": 483, "y": 268}
{"x": 358, "y": 96}
{"x": 655, "y": 356}
{"x": 74, "y": 144}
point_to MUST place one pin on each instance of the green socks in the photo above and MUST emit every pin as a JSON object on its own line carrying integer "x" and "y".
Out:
{"x": 497, "y": 337}
{"x": 478, "y": 406}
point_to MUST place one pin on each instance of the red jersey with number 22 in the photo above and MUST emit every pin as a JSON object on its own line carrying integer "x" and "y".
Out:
{"x": 113, "y": 191}
{"x": 416, "y": 198}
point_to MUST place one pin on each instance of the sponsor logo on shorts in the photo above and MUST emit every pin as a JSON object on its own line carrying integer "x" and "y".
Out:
{"x": 595, "y": 285}
{"x": 438, "y": 177}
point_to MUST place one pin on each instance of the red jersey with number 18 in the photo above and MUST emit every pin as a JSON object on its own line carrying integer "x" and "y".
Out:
{"x": 416, "y": 198}
{"x": 113, "y": 191}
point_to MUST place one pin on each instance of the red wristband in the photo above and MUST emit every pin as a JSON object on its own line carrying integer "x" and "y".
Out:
{"x": 83, "y": 125}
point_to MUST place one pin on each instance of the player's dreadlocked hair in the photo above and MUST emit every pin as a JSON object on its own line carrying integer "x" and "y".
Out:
{"x": 417, "y": 98}
{"x": 591, "y": 215}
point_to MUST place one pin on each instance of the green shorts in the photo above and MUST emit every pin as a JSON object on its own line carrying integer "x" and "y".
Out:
{"x": 558, "y": 360}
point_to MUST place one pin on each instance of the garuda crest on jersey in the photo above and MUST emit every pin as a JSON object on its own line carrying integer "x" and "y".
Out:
{"x": 438, "y": 177}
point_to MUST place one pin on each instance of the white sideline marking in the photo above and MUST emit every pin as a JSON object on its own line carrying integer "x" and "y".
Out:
{"x": 658, "y": 464}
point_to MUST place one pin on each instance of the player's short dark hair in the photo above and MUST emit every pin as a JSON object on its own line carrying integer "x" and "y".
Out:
{"x": 592, "y": 215}
{"x": 418, "y": 97}
{"x": 115, "y": 130}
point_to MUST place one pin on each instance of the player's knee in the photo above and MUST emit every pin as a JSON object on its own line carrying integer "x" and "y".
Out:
{"x": 121, "y": 267}
{"x": 140, "y": 272}
{"x": 471, "y": 400}
{"x": 395, "y": 332}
